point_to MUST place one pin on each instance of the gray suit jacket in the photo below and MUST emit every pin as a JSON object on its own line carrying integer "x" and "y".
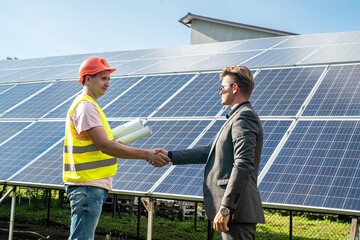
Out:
{"x": 231, "y": 170}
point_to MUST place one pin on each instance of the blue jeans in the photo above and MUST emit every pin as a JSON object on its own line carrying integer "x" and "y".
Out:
{"x": 86, "y": 204}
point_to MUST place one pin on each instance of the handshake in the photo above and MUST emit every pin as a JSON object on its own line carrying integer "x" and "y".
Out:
{"x": 158, "y": 157}
{"x": 133, "y": 131}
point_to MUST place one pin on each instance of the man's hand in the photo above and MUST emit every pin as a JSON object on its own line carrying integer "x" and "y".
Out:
{"x": 158, "y": 157}
{"x": 220, "y": 223}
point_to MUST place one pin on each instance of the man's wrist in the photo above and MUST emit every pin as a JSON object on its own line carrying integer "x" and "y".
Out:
{"x": 224, "y": 211}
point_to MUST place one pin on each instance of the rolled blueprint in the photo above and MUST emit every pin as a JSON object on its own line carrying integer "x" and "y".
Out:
{"x": 127, "y": 128}
{"x": 136, "y": 135}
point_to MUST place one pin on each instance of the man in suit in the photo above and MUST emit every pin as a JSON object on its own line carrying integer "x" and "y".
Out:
{"x": 231, "y": 196}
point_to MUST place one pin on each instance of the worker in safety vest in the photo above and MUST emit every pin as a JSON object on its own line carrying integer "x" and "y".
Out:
{"x": 90, "y": 154}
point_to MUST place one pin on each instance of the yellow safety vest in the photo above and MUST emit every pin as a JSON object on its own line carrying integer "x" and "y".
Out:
{"x": 83, "y": 161}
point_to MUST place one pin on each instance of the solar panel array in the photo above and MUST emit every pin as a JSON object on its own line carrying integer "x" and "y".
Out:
{"x": 306, "y": 94}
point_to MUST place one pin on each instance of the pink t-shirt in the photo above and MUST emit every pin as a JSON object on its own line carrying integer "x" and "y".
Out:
{"x": 85, "y": 117}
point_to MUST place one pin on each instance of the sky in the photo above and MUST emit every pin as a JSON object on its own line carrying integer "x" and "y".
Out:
{"x": 43, "y": 28}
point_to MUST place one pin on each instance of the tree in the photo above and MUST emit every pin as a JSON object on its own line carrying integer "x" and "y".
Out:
{"x": 10, "y": 58}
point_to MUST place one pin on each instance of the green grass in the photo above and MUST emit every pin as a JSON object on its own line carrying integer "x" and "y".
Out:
{"x": 305, "y": 225}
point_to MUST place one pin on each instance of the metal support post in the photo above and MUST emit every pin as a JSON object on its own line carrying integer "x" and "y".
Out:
{"x": 291, "y": 223}
{"x": 138, "y": 219}
{"x": 354, "y": 231}
{"x": 12, "y": 214}
{"x": 150, "y": 218}
{"x": 48, "y": 207}
{"x": 196, "y": 209}
{"x": 6, "y": 194}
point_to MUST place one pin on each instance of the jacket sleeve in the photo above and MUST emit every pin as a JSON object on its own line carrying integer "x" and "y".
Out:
{"x": 190, "y": 156}
{"x": 244, "y": 132}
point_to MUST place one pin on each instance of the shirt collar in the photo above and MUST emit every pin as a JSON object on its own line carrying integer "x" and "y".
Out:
{"x": 236, "y": 108}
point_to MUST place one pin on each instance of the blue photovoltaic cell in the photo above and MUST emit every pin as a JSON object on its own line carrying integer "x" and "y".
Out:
{"x": 3, "y": 88}
{"x": 282, "y": 92}
{"x": 117, "y": 87}
{"x": 48, "y": 169}
{"x": 45, "y": 101}
{"x": 8, "y": 129}
{"x": 199, "y": 98}
{"x": 318, "y": 166}
{"x": 279, "y": 57}
{"x": 138, "y": 175}
{"x": 15, "y": 95}
{"x": 273, "y": 132}
{"x": 26, "y": 146}
{"x": 187, "y": 179}
{"x": 338, "y": 93}
{"x": 148, "y": 95}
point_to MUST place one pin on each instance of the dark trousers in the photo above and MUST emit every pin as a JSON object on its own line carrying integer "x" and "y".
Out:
{"x": 239, "y": 231}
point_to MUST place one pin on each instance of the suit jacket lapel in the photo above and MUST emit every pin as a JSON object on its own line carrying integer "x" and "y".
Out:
{"x": 220, "y": 131}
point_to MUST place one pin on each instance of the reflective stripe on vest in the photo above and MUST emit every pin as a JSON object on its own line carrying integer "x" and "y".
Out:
{"x": 83, "y": 161}
{"x": 89, "y": 165}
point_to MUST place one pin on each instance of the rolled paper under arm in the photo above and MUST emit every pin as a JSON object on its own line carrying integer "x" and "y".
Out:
{"x": 134, "y": 136}
{"x": 127, "y": 128}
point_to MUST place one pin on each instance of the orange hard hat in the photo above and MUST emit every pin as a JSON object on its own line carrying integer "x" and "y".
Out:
{"x": 92, "y": 66}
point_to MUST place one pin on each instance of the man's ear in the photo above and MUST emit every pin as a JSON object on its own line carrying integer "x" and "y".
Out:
{"x": 87, "y": 78}
{"x": 236, "y": 88}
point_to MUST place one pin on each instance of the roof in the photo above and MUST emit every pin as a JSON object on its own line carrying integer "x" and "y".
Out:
{"x": 186, "y": 20}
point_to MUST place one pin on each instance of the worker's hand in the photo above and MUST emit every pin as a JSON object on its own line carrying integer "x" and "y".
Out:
{"x": 157, "y": 150}
{"x": 220, "y": 223}
{"x": 157, "y": 158}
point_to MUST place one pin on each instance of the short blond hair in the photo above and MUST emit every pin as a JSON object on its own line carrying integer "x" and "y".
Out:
{"x": 242, "y": 76}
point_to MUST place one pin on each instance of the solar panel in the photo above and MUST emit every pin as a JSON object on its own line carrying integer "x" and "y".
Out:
{"x": 221, "y": 60}
{"x": 117, "y": 86}
{"x": 335, "y": 53}
{"x": 187, "y": 179}
{"x": 192, "y": 50}
{"x": 143, "y": 99}
{"x": 318, "y": 166}
{"x": 26, "y": 146}
{"x": 256, "y": 44}
{"x": 4, "y": 88}
{"x": 346, "y": 37}
{"x": 17, "y": 63}
{"x": 42, "y": 103}
{"x": 46, "y": 170}
{"x": 338, "y": 93}
{"x": 23, "y": 75}
{"x": 307, "y": 40}
{"x": 124, "y": 68}
{"x": 199, "y": 98}
{"x": 282, "y": 92}
{"x": 8, "y": 129}
{"x": 138, "y": 175}
{"x": 172, "y": 64}
{"x": 17, "y": 94}
{"x": 133, "y": 54}
{"x": 280, "y": 57}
